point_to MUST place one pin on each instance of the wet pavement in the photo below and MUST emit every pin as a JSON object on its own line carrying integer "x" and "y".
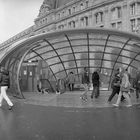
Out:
{"x": 59, "y": 117}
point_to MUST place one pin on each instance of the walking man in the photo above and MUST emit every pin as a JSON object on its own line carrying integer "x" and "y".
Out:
{"x": 4, "y": 85}
{"x": 96, "y": 83}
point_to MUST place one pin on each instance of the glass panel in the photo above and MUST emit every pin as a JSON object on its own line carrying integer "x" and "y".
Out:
{"x": 133, "y": 46}
{"x": 61, "y": 75}
{"x": 54, "y": 60}
{"x": 64, "y": 51}
{"x": 80, "y": 49}
{"x": 56, "y": 39}
{"x": 135, "y": 64}
{"x": 138, "y": 58}
{"x": 77, "y": 55}
{"x": 67, "y": 57}
{"x": 108, "y": 57}
{"x": 107, "y": 64}
{"x": 82, "y": 63}
{"x": 96, "y": 48}
{"x": 118, "y": 39}
{"x": 115, "y": 44}
{"x": 118, "y": 65}
{"x": 60, "y": 45}
{"x": 77, "y": 36}
{"x": 113, "y": 50}
{"x": 92, "y": 63}
{"x": 49, "y": 55}
{"x": 97, "y": 42}
{"x": 79, "y": 42}
{"x": 104, "y": 77}
{"x": 69, "y": 64}
{"x": 96, "y": 36}
{"x": 57, "y": 68}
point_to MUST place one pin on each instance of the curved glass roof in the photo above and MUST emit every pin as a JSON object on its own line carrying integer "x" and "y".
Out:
{"x": 72, "y": 50}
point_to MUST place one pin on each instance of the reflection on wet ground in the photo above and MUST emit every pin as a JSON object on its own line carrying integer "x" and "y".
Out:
{"x": 72, "y": 99}
{"x": 66, "y": 117}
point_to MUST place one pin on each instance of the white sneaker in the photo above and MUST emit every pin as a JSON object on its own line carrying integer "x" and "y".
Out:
{"x": 116, "y": 105}
{"x": 128, "y": 105}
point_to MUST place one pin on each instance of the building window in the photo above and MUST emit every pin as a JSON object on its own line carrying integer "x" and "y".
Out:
{"x": 119, "y": 12}
{"x": 87, "y": 2}
{"x": 135, "y": 25}
{"x": 113, "y": 25}
{"x": 63, "y": 13}
{"x": 71, "y": 24}
{"x": 117, "y": 25}
{"x": 69, "y": 11}
{"x": 116, "y": 13}
{"x": 60, "y": 27}
{"x": 133, "y": 9}
{"x": 74, "y": 9}
{"x": 81, "y": 6}
{"x": 59, "y": 16}
{"x": 84, "y": 21}
{"x": 99, "y": 17}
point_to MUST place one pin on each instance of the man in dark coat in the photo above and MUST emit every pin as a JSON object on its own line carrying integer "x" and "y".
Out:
{"x": 96, "y": 83}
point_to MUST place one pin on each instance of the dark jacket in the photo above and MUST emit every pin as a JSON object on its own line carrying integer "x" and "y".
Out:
{"x": 4, "y": 78}
{"x": 116, "y": 81}
{"x": 95, "y": 79}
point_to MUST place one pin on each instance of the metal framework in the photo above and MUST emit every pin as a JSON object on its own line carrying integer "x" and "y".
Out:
{"x": 72, "y": 50}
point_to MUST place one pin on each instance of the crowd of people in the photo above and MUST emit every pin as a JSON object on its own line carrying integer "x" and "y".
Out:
{"x": 120, "y": 85}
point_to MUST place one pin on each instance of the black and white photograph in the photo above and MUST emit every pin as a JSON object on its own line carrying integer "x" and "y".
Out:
{"x": 69, "y": 69}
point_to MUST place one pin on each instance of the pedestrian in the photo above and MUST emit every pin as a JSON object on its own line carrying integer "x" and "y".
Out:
{"x": 137, "y": 83}
{"x": 4, "y": 85}
{"x": 58, "y": 86}
{"x": 115, "y": 85}
{"x": 96, "y": 83}
{"x": 124, "y": 88}
{"x": 85, "y": 82}
{"x": 71, "y": 81}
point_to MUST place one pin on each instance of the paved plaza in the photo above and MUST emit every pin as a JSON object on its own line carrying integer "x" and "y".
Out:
{"x": 67, "y": 117}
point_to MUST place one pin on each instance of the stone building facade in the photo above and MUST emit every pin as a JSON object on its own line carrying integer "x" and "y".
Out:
{"x": 54, "y": 15}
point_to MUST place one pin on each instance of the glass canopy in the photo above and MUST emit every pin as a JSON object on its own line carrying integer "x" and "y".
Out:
{"x": 58, "y": 53}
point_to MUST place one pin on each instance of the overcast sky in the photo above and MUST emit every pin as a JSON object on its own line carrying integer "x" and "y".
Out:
{"x": 16, "y": 16}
